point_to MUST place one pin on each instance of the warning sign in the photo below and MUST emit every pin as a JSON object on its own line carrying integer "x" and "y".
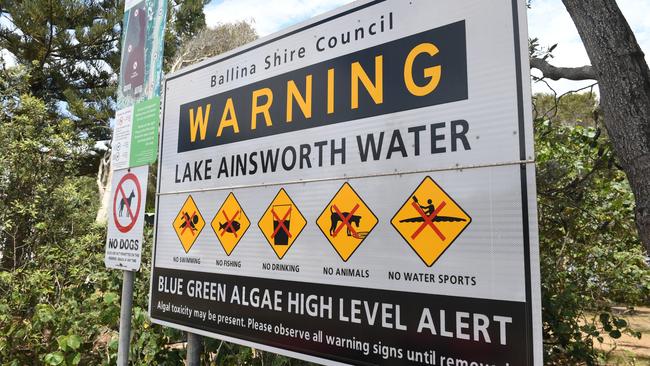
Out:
{"x": 281, "y": 223}
{"x": 363, "y": 136}
{"x": 188, "y": 224}
{"x": 126, "y": 220}
{"x": 430, "y": 220}
{"x": 230, "y": 223}
{"x": 346, "y": 221}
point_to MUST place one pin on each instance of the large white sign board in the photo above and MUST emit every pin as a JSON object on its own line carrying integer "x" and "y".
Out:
{"x": 357, "y": 189}
{"x": 126, "y": 218}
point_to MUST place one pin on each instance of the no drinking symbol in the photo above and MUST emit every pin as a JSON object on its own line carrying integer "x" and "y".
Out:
{"x": 123, "y": 214}
{"x": 281, "y": 223}
{"x": 281, "y": 238}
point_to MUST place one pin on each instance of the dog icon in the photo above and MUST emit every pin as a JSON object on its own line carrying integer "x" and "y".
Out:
{"x": 126, "y": 202}
{"x": 335, "y": 218}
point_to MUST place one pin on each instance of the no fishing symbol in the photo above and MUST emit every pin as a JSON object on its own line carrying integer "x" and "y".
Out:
{"x": 128, "y": 194}
{"x": 230, "y": 223}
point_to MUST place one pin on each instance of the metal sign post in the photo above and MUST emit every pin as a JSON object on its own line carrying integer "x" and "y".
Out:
{"x": 125, "y": 318}
{"x": 194, "y": 348}
{"x": 124, "y": 242}
{"x": 135, "y": 142}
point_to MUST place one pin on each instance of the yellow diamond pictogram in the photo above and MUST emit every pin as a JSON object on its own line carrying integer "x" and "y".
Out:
{"x": 346, "y": 221}
{"x": 430, "y": 220}
{"x": 188, "y": 224}
{"x": 281, "y": 223}
{"x": 230, "y": 223}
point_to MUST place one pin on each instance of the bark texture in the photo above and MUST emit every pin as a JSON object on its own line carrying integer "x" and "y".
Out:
{"x": 104, "y": 179}
{"x": 556, "y": 73}
{"x": 624, "y": 81}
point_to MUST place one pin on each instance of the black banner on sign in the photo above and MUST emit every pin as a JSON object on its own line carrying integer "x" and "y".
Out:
{"x": 345, "y": 324}
{"x": 421, "y": 70}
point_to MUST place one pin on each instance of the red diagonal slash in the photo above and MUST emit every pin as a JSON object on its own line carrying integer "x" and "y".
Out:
{"x": 428, "y": 220}
{"x": 229, "y": 223}
{"x": 345, "y": 220}
{"x": 281, "y": 223}
{"x": 188, "y": 224}
{"x": 126, "y": 203}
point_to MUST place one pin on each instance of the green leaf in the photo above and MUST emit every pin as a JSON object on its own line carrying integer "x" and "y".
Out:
{"x": 607, "y": 327}
{"x": 74, "y": 341}
{"x": 110, "y": 297}
{"x": 63, "y": 342}
{"x": 76, "y": 359}
{"x": 113, "y": 344}
{"x": 620, "y": 323}
{"x": 44, "y": 313}
{"x": 55, "y": 358}
{"x": 615, "y": 334}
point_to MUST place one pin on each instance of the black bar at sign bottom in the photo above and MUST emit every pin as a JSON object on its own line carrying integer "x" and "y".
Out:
{"x": 344, "y": 324}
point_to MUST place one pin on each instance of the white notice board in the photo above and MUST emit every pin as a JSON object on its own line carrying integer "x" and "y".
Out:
{"x": 357, "y": 189}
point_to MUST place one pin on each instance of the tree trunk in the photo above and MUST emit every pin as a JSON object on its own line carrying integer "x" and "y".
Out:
{"x": 104, "y": 178}
{"x": 624, "y": 82}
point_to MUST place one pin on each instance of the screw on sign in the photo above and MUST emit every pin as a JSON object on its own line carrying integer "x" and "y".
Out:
{"x": 123, "y": 214}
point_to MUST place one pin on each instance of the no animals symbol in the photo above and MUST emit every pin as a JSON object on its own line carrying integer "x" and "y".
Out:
{"x": 127, "y": 199}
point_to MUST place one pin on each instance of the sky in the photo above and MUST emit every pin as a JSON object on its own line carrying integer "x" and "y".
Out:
{"x": 548, "y": 20}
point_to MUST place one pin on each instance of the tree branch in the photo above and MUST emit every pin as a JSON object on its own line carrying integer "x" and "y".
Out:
{"x": 555, "y": 73}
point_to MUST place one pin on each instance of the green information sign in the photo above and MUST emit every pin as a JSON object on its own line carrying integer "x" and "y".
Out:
{"x": 135, "y": 133}
{"x": 144, "y": 132}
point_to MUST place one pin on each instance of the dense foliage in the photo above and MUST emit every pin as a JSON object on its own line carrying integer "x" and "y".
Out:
{"x": 591, "y": 258}
{"x": 38, "y": 153}
{"x": 69, "y": 49}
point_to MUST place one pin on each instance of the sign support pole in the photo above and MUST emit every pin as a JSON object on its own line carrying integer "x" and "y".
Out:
{"x": 125, "y": 319}
{"x": 194, "y": 345}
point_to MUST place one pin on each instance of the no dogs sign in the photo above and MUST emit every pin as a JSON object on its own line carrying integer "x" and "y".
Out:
{"x": 126, "y": 219}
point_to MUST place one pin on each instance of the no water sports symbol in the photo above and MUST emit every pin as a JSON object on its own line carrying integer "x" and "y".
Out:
{"x": 430, "y": 221}
{"x": 230, "y": 223}
{"x": 281, "y": 223}
{"x": 188, "y": 224}
{"x": 127, "y": 202}
{"x": 346, "y": 221}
